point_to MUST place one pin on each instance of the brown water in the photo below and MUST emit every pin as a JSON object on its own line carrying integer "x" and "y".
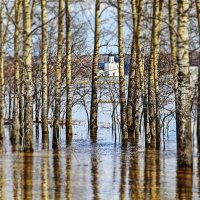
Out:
{"x": 106, "y": 170}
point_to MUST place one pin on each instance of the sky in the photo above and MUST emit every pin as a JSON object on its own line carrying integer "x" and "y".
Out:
{"x": 84, "y": 12}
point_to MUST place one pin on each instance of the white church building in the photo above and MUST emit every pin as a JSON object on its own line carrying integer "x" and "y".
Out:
{"x": 111, "y": 68}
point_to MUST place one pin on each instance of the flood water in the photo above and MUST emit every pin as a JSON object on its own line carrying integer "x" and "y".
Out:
{"x": 105, "y": 170}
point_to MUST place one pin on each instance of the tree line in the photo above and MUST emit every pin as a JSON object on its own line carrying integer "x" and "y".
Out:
{"x": 143, "y": 89}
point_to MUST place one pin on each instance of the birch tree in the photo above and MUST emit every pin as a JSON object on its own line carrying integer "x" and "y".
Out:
{"x": 136, "y": 74}
{"x": 153, "y": 97}
{"x": 198, "y": 105}
{"x": 94, "y": 102}
{"x": 27, "y": 55}
{"x": 139, "y": 79}
{"x": 58, "y": 76}
{"x": 132, "y": 74}
{"x": 3, "y": 34}
{"x": 122, "y": 93}
{"x": 156, "y": 58}
{"x": 68, "y": 73}
{"x": 173, "y": 54}
{"x": 184, "y": 134}
{"x": 2, "y": 87}
{"x": 16, "y": 125}
{"x": 44, "y": 77}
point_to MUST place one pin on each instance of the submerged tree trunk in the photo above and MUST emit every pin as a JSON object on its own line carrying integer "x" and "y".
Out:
{"x": 16, "y": 125}
{"x": 2, "y": 86}
{"x": 37, "y": 107}
{"x": 139, "y": 78}
{"x": 136, "y": 72}
{"x": 21, "y": 106}
{"x": 157, "y": 50}
{"x": 28, "y": 112}
{"x": 173, "y": 55}
{"x": 44, "y": 78}
{"x": 3, "y": 34}
{"x": 151, "y": 84}
{"x": 124, "y": 127}
{"x": 21, "y": 100}
{"x": 58, "y": 78}
{"x": 132, "y": 74}
{"x": 184, "y": 134}
{"x": 94, "y": 102}
{"x": 198, "y": 102}
{"x": 68, "y": 73}
{"x": 153, "y": 93}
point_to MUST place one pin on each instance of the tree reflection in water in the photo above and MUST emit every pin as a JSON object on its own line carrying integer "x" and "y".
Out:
{"x": 69, "y": 174}
{"x": 45, "y": 172}
{"x": 16, "y": 170}
{"x": 57, "y": 175}
{"x": 152, "y": 174}
{"x": 105, "y": 170}
{"x": 28, "y": 175}
{"x": 123, "y": 171}
{"x": 94, "y": 171}
{"x": 135, "y": 190}
{"x": 2, "y": 181}
{"x": 184, "y": 183}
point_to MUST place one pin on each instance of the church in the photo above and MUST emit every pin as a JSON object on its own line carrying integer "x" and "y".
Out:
{"x": 111, "y": 67}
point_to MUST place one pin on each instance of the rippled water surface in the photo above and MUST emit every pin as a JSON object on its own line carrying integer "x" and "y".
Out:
{"x": 105, "y": 170}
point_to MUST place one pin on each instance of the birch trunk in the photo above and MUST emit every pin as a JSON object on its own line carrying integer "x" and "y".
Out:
{"x": 44, "y": 78}
{"x": 16, "y": 125}
{"x": 10, "y": 102}
{"x": 58, "y": 78}
{"x": 21, "y": 106}
{"x": 151, "y": 86}
{"x": 139, "y": 78}
{"x": 157, "y": 50}
{"x": 28, "y": 112}
{"x": 173, "y": 55}
{"x": 198, "y": 105}
{"x": 136, "y": 71}
{"x": 184, "y": 135}
{"x": 68, "y": 73}
{"x": 2, "y": 86}
{"x": 123, "y": 110}
{"x": 153, "y": 96}
{"x": 94, "y": 103}
{"x": 131, "y": 85}
{"x": 21, "y": 98}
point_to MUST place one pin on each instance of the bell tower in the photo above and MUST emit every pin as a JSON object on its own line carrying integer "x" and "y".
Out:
{"x": 111, "y": 58}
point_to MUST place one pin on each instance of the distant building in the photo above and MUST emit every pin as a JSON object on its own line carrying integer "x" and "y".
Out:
{"x": 111, "y": 67}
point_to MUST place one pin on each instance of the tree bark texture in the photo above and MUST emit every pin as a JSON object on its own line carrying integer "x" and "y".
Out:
{"x": 94, "y": 100}
{"x": 198, "y": 103}
{"x": 16, "y": 124}
{"x": 173, "y": 55}
{"x": 58, "y": 77}
{"x": 122, "y": 94}
{"x": 184, "y": 135}
{"x": 68, "y": 73}
{"x": 2, "y": 86}
{"x": 44, "y": 78}
{"x": 28, "y": 109}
